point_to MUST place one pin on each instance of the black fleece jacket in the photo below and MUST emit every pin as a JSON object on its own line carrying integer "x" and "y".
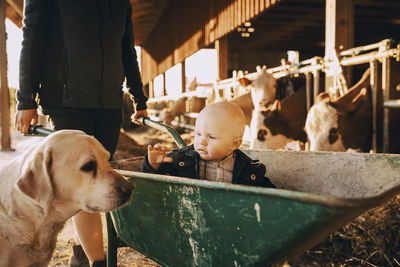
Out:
{"x": 77, "y": 54}
{"x": 186, "y": 164}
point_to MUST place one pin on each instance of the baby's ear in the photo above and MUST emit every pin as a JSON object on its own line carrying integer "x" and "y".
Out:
{"x": 237, "y": 143}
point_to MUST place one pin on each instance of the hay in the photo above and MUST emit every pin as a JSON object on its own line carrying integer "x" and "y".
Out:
{"x": 372, "y": 239}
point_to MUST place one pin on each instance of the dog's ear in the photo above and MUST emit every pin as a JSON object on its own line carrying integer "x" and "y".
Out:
{"x": 36, "y": 181}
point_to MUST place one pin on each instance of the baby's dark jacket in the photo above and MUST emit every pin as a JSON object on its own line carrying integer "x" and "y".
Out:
{"x": 186, "y": 164}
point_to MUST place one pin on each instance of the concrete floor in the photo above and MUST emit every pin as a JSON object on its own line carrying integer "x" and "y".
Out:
{"x": 19, "y": 143}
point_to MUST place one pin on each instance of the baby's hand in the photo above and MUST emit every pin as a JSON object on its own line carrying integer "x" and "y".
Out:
{"x": 157, "y": 155}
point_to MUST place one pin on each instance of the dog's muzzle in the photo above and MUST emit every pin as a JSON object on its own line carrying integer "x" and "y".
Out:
{"x": 124, "y": 190}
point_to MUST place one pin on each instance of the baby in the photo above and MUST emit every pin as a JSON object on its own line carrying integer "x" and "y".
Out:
{"x": 215, "y": 154}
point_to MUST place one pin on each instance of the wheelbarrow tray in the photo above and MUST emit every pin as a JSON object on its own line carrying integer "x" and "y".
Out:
{"x": 187, "y": 222}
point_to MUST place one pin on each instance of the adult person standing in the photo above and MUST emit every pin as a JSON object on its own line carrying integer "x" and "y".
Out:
{"x": 75, "y": 57}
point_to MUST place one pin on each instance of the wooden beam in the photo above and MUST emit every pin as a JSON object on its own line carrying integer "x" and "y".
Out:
{"x": 330, "y": 38}
{"x": 183, "y": 76}
{"x": 164, "y": 89}
{"x": 374, "y": 88}
{"x": 339, "y": 31}
{"x": 221, "y": 45}
{"x": 17, "y": 5}
{"x": 386, "y": 97}
{"x": 193, "y": 30}
{"x": 5, "y": 95}
{"x": 345, "y": 30}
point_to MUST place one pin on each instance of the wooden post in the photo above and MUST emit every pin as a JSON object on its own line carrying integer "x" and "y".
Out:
{"x": 151, "y": 88}
{"x": 339, "y": 33}
{"x": 5, "y": 95}
{"x": 308, "y": 90}
{"x": 345, "y": 30}
{"x": 183, "y": 76}
{"x": 374, "y": 87}
{"x": 221, "y": 45}
{"x": 316, "y": 79}
{"x": 164, "y": 84}
{"x": 386, "y": 97}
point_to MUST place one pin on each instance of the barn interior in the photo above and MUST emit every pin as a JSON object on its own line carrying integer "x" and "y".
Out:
{"x": 279, "y": 26}
{"x": 246, "y": 34}
{"x": 250, "y": 33}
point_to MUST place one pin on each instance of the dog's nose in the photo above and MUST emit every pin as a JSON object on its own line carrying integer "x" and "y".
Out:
{"x": 125, "y": 189}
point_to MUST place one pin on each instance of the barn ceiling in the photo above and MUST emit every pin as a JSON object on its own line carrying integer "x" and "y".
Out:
{"x": 293, "y": 24}
{"x": 145, "y": 15}
{"x": 288, "y": 25}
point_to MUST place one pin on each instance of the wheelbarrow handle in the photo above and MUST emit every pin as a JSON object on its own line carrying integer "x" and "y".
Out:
{"x": 39, "y": 130}
{"x": 163, "y": 127}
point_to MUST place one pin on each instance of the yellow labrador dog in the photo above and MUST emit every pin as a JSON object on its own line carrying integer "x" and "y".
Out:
{"x": 65, "y": 173}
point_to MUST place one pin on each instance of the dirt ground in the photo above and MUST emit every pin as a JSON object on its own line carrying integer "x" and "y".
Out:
{"x": 373, "y": 239}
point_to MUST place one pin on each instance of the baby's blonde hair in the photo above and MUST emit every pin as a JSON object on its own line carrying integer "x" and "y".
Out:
{"x": 230, "y": 112}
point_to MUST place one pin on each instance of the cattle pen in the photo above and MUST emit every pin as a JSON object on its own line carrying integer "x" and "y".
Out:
{"x": 313, "y": 70}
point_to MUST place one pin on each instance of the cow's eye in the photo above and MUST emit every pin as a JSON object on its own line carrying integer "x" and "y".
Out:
{"x": 89, "y": 166}
{"x": 333, "y": 135}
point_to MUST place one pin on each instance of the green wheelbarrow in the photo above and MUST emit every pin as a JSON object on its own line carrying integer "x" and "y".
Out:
{"x": 186, "y": 222}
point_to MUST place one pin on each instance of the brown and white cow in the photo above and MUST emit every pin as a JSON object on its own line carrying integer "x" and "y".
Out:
{"x": 344, "y": 123}
{"x": 263, "y": 93}
{"x": 280, "y": 123}
{"x": 167, "y": 115}
{"x": 260, "y": 88}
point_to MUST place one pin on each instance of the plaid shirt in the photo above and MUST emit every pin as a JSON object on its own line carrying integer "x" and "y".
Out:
{"x": 219, "y": 171}
{"x": 237, "y": 168}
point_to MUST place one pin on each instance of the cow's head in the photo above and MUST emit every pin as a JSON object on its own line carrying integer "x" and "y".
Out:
{"x": 322, "y": 127}
{"x": 270, "y": 128}
{"x": 263, "y": 87}
{"x": 339, "y": 125}
{"x": 167, "y": 116}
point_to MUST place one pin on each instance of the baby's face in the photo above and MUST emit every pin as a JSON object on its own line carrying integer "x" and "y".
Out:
{"x": 214, "y": 137}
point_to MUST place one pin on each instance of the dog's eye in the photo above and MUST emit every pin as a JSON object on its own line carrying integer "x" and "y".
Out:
{"x": 89, "y": 166}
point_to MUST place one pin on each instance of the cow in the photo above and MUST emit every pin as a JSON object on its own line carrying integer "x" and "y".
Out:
{"x": 260, "y": 90}
{"x": 276, "y": 125}
{"x": 344, "y": 123}
{"x": 262, "y": 93}
{"x": 167, "y": 115}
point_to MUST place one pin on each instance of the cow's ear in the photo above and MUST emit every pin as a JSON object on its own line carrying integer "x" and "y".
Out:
{"x": 360, "y": 98}
{"x": 244, "y": 81}
{"x": 276, "y": 106}
{"x": 321, "y": 97}
{"x": 353, "y": 105}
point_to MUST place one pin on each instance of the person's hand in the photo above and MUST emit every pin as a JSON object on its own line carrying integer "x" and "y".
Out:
{"x": 137, "y": 114}
{"x": 25, "y": 117}
{"x": 157, "y": 155}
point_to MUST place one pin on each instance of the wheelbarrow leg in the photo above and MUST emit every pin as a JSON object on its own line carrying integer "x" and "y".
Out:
{"x": 113, "y": 243}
